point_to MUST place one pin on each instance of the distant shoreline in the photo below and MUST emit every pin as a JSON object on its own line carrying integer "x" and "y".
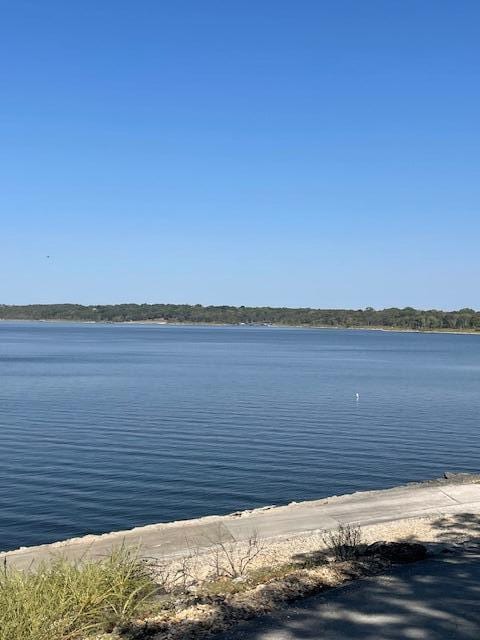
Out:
{"x": 406, "y": 319}
{"x": 272, "y": 325}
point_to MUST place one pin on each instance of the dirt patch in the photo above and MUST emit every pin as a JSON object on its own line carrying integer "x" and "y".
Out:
{"x": 205, "y": 614}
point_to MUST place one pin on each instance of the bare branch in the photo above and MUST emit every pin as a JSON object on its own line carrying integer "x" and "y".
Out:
{"x": 232, "y": 559}
{"x": 344, "y": 542}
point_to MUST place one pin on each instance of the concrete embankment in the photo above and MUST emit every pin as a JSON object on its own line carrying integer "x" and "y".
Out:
{"x": 453, "y": 495}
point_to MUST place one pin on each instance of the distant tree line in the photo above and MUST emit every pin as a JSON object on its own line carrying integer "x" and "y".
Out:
{"x": 406, "y": 318}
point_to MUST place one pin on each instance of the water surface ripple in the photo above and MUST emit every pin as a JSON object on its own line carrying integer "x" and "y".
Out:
{"x": 108, "y": 427}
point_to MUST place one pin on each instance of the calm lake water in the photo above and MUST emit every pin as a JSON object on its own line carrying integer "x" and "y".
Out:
{"x": 107, "y": 427}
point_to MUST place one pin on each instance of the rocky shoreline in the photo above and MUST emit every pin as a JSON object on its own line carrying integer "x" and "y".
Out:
{"x": 273, "y": 521}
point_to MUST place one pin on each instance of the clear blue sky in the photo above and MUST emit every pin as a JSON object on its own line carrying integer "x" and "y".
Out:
{"x": 304, "y": 153}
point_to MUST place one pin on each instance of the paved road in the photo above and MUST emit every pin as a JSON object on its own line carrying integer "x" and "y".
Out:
{"x": 161, "y": 540}
{"x": 438, "y": 599}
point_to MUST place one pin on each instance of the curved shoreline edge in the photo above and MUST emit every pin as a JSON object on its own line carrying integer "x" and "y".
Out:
{"x": 452, "y": 494}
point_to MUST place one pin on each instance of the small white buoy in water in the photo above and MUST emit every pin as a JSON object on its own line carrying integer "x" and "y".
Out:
{"x": 357, "y": 396}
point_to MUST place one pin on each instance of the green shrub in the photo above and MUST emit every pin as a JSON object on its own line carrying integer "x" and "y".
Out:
{"x": 61, "y": 600}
